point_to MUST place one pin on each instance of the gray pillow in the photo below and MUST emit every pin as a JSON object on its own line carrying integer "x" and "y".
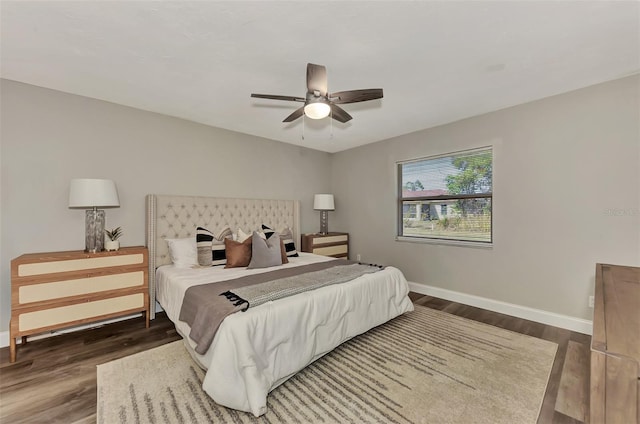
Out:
{"x": 265, "y": 253}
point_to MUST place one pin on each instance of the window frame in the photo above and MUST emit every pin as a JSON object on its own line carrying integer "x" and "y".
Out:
{"x": 438, "y": 240}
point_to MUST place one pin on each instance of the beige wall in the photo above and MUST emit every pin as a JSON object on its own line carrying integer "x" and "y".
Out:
{"x": 559, "y": 165}
{"x": 49, "y": 137}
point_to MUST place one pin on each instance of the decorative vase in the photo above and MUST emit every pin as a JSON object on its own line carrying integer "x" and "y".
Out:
{"x": 111, "y": 244}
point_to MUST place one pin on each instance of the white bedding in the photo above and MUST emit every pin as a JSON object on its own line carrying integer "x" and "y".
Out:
{"x": 255, "y": 351}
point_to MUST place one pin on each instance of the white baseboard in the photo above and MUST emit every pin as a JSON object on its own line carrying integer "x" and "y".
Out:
{"x": 544, "y": 317}
{"x": 4, "y": 339}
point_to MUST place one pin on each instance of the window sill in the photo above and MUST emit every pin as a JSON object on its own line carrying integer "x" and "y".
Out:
{"x": 460, "y": 243}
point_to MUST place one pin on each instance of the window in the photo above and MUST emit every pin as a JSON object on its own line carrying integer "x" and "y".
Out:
{"x": 447, "y": 197}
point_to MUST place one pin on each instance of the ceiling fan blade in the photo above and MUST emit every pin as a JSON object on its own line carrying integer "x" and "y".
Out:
{"x": 316, "y": 79}
{"x": 276, "y": 97}
{"x": 354, "y": 96}
{"x": 340, "y": 114}
{"x": 295, "y": 115}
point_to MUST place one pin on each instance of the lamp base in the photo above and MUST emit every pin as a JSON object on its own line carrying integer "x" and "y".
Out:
{"x": 324, "y": 223}
{"x": 94, "y": 231}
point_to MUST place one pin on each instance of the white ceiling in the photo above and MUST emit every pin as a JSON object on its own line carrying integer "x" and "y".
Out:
{"x": 437, "y": 62}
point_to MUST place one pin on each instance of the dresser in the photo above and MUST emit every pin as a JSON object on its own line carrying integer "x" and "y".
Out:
{"x": 330, "y": 244}
{"x": 615, "y": 346}
{"x": 54, "y": 290}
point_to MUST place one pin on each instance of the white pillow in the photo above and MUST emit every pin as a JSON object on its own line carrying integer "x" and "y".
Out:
{"x": 241, "y": 235}
{"x": 183, "y": 252}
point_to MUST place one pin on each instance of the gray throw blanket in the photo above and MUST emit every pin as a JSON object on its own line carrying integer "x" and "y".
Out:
{"x": 205, "y": 306}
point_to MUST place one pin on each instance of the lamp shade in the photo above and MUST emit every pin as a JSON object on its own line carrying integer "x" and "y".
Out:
{"x": 90, "y": 193}
{"x": 323, "y": 202}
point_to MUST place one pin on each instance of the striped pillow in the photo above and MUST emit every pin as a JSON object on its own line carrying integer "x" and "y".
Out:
{"x": 268, "y": 232}
{"x": 286, "y": 235}
{"x": 211, "y": 246}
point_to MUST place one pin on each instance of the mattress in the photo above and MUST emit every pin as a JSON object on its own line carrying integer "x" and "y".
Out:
{"x": 255, "y": 351}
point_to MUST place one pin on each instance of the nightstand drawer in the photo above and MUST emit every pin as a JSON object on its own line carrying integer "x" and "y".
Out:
{"x": 59, "y": 289}
{"x": 79, "y": 312}
{"x": 341, "y": 250}
{"x": 319, "y": 241}
{"x": 330, "y": 244}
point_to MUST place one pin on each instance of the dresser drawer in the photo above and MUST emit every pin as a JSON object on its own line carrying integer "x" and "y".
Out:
{"x": 39, "y": 292}
{"x": 70, "y": 265}
{"x": 76, "y": 313}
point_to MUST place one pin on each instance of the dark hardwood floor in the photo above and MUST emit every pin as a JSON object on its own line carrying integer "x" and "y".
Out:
{"x": 54, "y": 379}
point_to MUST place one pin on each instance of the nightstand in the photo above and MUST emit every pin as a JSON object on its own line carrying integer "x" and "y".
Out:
{"x": 50, "y": 291}
{"x": 330, "y": 244}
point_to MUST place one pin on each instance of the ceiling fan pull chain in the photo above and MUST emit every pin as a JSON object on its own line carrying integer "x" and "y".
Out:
{"x": 331, "y": 119}
{"x": 303, "y": 122}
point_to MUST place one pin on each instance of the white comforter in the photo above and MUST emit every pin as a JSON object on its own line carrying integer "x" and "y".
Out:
{"x": 253, "y": 352}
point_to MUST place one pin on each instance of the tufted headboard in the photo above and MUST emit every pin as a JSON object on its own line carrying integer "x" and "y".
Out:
{"x": 178, "y": 216}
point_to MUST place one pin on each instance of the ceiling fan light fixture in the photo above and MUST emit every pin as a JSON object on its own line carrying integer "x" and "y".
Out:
{"x": 317, "y": 110}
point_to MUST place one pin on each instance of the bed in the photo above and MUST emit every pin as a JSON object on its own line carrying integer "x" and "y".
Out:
{"x": 255, "y": 351}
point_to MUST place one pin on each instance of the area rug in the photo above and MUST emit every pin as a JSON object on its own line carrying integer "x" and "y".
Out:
{"x": 426, "y": 366}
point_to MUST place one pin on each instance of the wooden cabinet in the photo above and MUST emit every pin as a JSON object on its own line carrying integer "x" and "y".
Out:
{"x": 615, "y": 346}
{"x": 330, "y": 244}
{"x": 50, "y": 291}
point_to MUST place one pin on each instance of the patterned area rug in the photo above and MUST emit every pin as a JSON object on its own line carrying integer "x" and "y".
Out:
{"x": 426, "y": 366}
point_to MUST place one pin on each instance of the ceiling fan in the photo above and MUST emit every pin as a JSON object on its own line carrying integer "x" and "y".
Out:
{"x": 319, "y": 103}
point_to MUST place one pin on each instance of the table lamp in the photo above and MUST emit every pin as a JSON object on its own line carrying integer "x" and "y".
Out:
{"x": 324, "y": 203}
{"x": 91, "y": 194}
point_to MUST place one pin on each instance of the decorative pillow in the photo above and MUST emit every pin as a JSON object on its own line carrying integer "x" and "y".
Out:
{"x": 241, "y": 235}
{"x": 238, "y": 254}
{"x": 182, "y": 252}
{"x": 283, "y": 253}
{"x": 265, "y": 253}
{"x": 268, "y": 232}
{"x": 286, "y": 235}
{"x": 211, "y": 250}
